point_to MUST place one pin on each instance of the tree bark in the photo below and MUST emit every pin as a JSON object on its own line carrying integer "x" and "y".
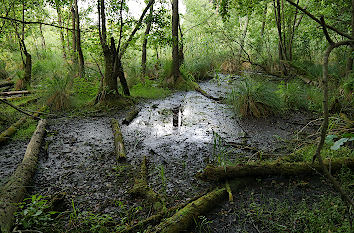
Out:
{"x": 74, "y": 43}
{"x": 175, "y": 51}
{"x": 271, "y": 168}
{"x": 350, "y": 59}
{"x": 146, "y": 34}
{"x": 78, "y": 41}
{"x": 58, "y": 9}
{"x": 15, "y": 189}
{"x": 242, "y": 38}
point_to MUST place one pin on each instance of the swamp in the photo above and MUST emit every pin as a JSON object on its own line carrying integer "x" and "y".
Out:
{"x": 176, "y": 116}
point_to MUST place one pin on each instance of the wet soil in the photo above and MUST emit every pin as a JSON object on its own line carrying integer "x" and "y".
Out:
{"x": 179, "y": 135}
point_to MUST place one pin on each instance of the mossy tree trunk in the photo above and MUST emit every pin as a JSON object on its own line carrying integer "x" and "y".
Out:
{"x": 211, "y": 173}
{"x": 15, "y": 189}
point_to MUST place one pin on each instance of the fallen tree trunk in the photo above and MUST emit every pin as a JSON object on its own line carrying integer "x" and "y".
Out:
{"x": 185, "y": 218}
{"x": 271, "y": 168}
{"x": 204, "y": 93}
{"x": 5, "y": 135}
{"x": 118, "y": 141}
{"x": 130, "y": 116}
{"x": 142, "y": 189}
{"x": 15, "y": 189}
{"x": 10, "y": 93}
{"x": 7, "y": 84}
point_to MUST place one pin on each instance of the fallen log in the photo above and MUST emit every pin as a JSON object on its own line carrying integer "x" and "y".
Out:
{"x": 5, "y": 135}
{"x": 14, "y": 190}
{"x": 142, "y": 189}
{"x": 7, "y": 84}
{"x": 130, "y": 116}
{"x": 10, "y": 93}
{"x": 204, "y": 93}
{"x": 185, "y": 218}
{"x": 211, "y": 173}
{"x": 152, "y": 220}
{"x": 118, "y": 141}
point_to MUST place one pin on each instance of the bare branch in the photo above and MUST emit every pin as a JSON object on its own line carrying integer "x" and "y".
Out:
{"x": 32, "y": 22}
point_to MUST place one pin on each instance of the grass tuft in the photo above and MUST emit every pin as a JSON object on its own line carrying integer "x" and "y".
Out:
{"x": 254, "y": 99}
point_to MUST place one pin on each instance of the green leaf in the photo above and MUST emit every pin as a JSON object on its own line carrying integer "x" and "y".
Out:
{"x": 329, "y": 138}
{"x": 339, "y": 143}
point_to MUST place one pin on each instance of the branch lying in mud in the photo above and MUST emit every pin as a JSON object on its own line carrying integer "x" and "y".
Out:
{"x": 204, "y": 93}
{"x": 271, "y": 168}
{"x": 142, "y": 189}
{"x": 15, "y": 189}
{"x": 185, "y": 218}
{"x": 118, "y": 141}
{"x": 5, "y": 135}
{"x": 130, "y": 116}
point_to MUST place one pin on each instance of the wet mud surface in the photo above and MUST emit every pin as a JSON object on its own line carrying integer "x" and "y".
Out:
{"x": 179, "y": 135}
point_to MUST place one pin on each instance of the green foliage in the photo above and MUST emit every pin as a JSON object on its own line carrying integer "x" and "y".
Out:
{"x": 149, "y": 90}
{"x": 293, "y": 95}
{"x": 219, "y": 150}
{"x": 255, "y": 99}
{"x": 306, "y": 153}
{"x": 26, "y": 130}
{"x": 328, "y": 214}
{"x": 33, "y": 213}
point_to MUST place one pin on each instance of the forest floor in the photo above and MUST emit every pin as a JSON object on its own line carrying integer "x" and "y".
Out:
{"x": 78, "y": 160}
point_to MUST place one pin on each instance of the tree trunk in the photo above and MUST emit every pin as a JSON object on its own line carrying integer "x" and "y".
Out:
{"x": 110, "y": 80}
{"x": 15, "y": 189}
{"x": 74, "y": 43}
{"x": 278, "y": 19}
{"x": 242, "y": 39}
{"x": 42, "y": 37}
{"x": 271, "y": 168}
{"x": 175, "y": 51}
{"x": 143, "y": 56}
{"x": 350, "y": 59}
{"x": 78, "y": 41}
{"x": 28, "y": 70}
{"x": 120, "y": 73}
{"x": 61, "y": 30}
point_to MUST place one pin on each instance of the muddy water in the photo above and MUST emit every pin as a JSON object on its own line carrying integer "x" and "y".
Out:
{"x": 176, "y": 134}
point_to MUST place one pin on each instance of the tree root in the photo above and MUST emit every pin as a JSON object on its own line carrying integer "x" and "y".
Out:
{"x": 14, "y": 190}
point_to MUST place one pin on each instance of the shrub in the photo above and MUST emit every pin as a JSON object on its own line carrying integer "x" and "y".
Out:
{"x": 255, "y": 99}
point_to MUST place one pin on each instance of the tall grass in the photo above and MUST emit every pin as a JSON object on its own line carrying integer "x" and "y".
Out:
{"x": 254, "y": 99}
{"x": 57, "y": 92}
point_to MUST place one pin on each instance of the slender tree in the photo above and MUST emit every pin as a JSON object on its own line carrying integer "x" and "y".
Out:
{"x": 145, "y": 41}
{"x": 175, "y": 52}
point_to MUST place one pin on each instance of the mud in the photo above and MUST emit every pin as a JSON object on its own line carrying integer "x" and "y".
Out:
{"x": 179, "y": 135}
